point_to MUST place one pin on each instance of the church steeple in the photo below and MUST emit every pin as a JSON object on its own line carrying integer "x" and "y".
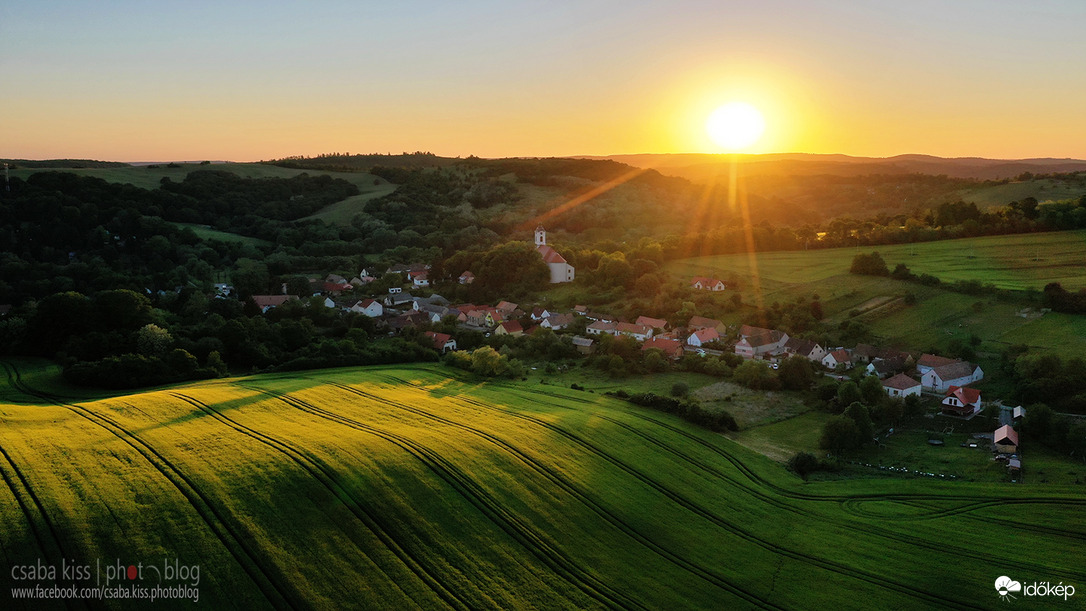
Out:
{"x": 540, "y": 236}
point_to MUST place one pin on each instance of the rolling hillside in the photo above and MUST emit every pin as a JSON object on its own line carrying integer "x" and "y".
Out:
{"x": 397, "y": 487}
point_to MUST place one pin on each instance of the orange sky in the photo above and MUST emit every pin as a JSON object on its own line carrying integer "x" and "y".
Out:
{"x": 137, "y": 81}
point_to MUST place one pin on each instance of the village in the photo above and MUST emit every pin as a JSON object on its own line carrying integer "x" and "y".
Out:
{"x": 412, "y": 304}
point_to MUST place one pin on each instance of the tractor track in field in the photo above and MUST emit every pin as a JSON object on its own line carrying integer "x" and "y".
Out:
{"x": 852, "y": 503}
{"x": 331, "y": 481}
{"x": 573, "y": 490}
{"x": 737, "y": 530}
{"x": 536, "y": 544}
{"x": 212, "y": 517}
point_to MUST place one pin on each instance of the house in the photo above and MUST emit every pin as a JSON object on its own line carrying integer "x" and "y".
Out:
{"x": 476, "y": 317}
{"x": 886, "y": 367}
{"x": 443, "y": 342}
{"x": 506, "y": 307}
{"x": 221, "y": 290}
{"x": 328, "y": 303}
{"x": 556, "y": 322}
{"x": 410, "y": 318}
{"x": 805, "y": 348}
{"x": 1018, "y": 413}
{"x": 584, "y": 345}
{"x": 400, "y": 300}
{"x": 702, "y": 283}
{"x": 672, "y": 348}
{"x": 1005, "y": 439}
{"x": 961, "y": 401}
{"x": 541, "y": 313}
{"x": 652, "y": 323}
{"x": 765, "y": 342}
{"x": 336, "y": 279}
{"x": 636, "y": 331}
{"x": 580, "y": 309}
{"x": 956, "y": 373}
{"x": 837, "y": 357}
{"x": 267, "y": 302}
{"x": 421, "y": 279}
{"x": 702, "y": 336}
{"x": 509, "y": 327}
{"x": 866, "y": 353}
{"x": 394, "y": 290}
{"x": 335, "y": 288}
{"x": 700, "y": 322}
{"x": 927, "y": 362}
{"x": 369, "y": 307}
{"x": 901, "y": 385}
{"x": 561, "y": 271}
{"x": 599, "y": 327}
{"x": 747, "y": 330}
{"x": 466, "y": 278}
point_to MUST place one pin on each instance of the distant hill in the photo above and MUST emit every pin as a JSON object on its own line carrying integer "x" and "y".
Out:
{"x": 701, "y": 167}
{"x": 62, "y": 163}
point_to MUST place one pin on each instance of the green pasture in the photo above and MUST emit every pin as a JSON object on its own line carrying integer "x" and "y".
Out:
{"x": 403, "y": 487}
{"x": 987, "y": 196}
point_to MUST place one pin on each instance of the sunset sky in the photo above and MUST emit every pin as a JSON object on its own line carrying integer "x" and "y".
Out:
{"x": 143, "y": 81}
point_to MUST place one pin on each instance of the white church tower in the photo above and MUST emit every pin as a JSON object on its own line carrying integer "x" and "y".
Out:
{"x": 561, "y": 271}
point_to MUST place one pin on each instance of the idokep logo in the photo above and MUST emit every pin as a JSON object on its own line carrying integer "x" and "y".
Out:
{"x": 1005, "y": 587}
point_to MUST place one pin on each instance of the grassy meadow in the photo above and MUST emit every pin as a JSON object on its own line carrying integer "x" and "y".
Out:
{"x": 400, "y": 487}
{"x": 1012, "y": 262}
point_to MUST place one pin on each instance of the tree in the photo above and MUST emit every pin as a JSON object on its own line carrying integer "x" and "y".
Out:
{"x": 679, "y": 389}
{"x": 871, "y": 390}
{"x": 848, "y": 393}
{"x": 756, "y": 375}
{"x": 153, "y": 340}
{"x": 796, "y": 373}
{"x": 1038, "y": 421}
{"x": 840, "y": 433}
{"x": 859, "y": 414}
{"x": 869, "y": 265}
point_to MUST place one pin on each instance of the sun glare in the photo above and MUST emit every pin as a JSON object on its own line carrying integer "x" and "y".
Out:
{"x": 735, "y": 126}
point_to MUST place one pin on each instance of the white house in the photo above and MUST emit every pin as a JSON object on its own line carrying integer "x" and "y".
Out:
{"x": 901, "y": 385}
{"x": 961, "y": 401}
{"x": 443, "y": 342}
{"x": 702, "y": 283}
{"x": 369, "y": 307}
{"x": 421, "y": 279}
{"x": 557, "y": 321}
{"x": 702, "y": 336}
{"x": 957, "y": 373}
{"x": 927, "y": 362}
{"x": 636, "y": 331}
{"x": 560, "y": 270}
{"x": 837, "y": 357}
{"x": 764, "y": 342}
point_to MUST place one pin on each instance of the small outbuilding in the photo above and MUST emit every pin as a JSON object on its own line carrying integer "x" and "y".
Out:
{"x": 1005, "y": 439}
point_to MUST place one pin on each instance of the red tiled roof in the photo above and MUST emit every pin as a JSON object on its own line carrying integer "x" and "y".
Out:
{"x": 901, "y": 382}
{"x": 549, "y": 254}
{"x": 669, "y": 346}
{"x": 706, "y": 335}
{"x": 512, "y": 326}
{"x": 439, "y": 339}
{"x": 933, "y": 361}
{"x": 967, "y": 396}
{"x": 265, "y": 301}
{"x": 652, "y": 323}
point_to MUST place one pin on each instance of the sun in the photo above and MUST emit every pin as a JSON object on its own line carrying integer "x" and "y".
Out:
{"x": 735, "y": 126}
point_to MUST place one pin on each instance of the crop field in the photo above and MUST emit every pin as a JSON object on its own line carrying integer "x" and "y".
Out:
{"x": 399, "y": 487}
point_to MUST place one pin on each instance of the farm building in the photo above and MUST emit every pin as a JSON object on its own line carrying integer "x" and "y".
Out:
{"x": 584, "y": 345}
{"x": 961, "y": 401}
{"x": 1005, "y": 439}
{"x": 955, "y": 373}
{"x": 901, "y": 385}
{"x": 766, "y": 342}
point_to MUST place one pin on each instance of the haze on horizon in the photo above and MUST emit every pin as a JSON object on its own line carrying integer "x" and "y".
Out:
{"x": 135, "y": 81}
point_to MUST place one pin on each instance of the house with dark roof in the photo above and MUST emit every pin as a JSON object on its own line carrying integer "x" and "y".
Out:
{"x": 584, "y": 345}
{"x": 700, "y": 322}
{"x": 600, "y": 327}
{"x": 763, "y": 343}
{"x": 556, "y": 322}
{"x": 961, "y": 401}
{"x": 955, "y": 373}
{"x": 927, "y": 362}
{"x": 886, "y": 367}
{"x": 805, "y": 348}
{"x": 267, "y": 302}
{"x": 901, "y": 385}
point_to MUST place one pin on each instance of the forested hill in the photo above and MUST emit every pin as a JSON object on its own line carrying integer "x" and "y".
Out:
{"x": 62, "y": 163}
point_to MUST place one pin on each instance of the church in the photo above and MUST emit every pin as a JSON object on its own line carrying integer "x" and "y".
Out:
{"x": 560, "y": 270}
